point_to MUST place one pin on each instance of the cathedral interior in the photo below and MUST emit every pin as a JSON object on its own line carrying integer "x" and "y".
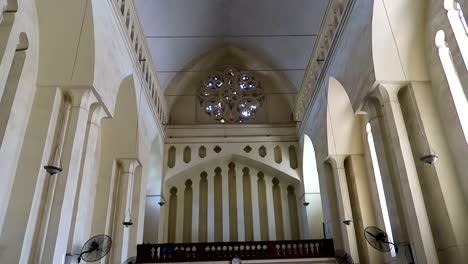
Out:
{"x": 234, "y": 131}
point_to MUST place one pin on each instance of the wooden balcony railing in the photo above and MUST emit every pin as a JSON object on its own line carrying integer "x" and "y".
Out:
{"x": 218, "y": 251}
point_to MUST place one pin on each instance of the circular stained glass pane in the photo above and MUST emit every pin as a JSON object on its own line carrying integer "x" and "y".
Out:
{"x": 231, "y": 96}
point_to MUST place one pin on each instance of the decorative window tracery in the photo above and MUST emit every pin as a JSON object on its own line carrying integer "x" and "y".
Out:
{"x": 230, "y": 95}
{"x": 459, "y": 26}
{"x": 456, "y": 89}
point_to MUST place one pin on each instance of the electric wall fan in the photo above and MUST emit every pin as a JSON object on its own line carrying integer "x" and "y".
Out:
{"x": 95, "y": 248}
{"x": 342, "y": 257}
{"x": 130, "y": 260}
{"x": 378, "y": 239}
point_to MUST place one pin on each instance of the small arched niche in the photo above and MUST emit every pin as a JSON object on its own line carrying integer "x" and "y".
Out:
{"x": 278, "y": 154}
{"x": 171, "y": 157}
{"x": 187, "y": 154}
{"x": 292, "y": 157}
{"x": 262, "y": 152}
{"x": 202, "y": 152}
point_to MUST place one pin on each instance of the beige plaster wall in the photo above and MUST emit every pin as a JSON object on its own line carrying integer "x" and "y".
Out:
{"x": 25, "y": 21}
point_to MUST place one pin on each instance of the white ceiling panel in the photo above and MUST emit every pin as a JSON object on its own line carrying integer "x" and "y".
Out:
{"x": 295, "y": 76}
{"x": 181, "y": 17}
{"x": 276, "y": 17}
{"x": 171, "y": 54}
{"x": 285, "y": 52}
{"x": 283, "y": 32}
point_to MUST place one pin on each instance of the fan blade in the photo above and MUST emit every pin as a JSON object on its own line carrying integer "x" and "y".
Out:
{"x": 371, "y": 234}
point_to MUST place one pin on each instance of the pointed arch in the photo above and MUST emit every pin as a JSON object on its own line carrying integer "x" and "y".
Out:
{"x": 312, "y": 197}
{"x": 260, "y": 165}
{"x": 398, "y": 53}
{"x": 182, "y": 89}
{"x": 12, "y": 83}
{"x": 343, "y": 134}
{"x": 119, "y": 138}
{"x": 61, "y": 60}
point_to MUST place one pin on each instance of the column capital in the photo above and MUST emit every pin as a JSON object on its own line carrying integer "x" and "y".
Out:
{"x": 98, "y": 114}
{"x": 451, "y": 5}
{"x": 387, "y": 92}
{"x": 129, "y": 164}
{"x": 337, "y": 161}
{"x": 80, "y": 96}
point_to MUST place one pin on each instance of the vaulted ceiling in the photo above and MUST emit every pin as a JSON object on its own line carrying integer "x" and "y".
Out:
{"x": 283, "y": 32}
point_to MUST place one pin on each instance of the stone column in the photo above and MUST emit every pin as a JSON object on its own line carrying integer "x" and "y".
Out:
{"x": 361, "y": 205}
{"x": 211, "y": 205}
{"x": 332, "y": 219}
{"x": 17, "y": 234}
{"x": 138, "y": 201}
{"x": 255, "y": 209}
{"x": 56, "y": 222}
{"x": 225, "y": 193}
{"x": 84, "y": 203}
{"x": 123, "y": 210}
{"x": 448, "y": 208}
{"x": 180, "y": 212}
{"x": 195, "y": 208}
{"x": 285, "y": 207}
{"x": 420, "y": 233}
{"x": 271, "y": 210}
{"x": 15, "y": 107}
{"x": 377, "y": 194}
{"x": 344, "y": 206}
{"x": 389, "y": 177}
{"x": 240, "y": 204}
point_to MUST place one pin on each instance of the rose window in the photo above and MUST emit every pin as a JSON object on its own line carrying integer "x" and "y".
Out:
{"x": 230, "y": 95}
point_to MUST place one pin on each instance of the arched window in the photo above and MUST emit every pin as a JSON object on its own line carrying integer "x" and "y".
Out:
{"x": 311, "y": 181}
{"x": 311, "y": 197}
{"x": 460, "y": 28}
{"x": 379, "y": 184}
{"x": 7, "y": 18}
{"x": 456, "y": 89}
{"x": 12, "y": 83}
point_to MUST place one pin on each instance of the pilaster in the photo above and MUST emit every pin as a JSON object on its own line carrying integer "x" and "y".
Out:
{"x": 416, "y": 215}
{"x": 271, "y": 211}
{"x": 211, "y": 205}
{"x": 17, "y": 232}
{"x": 285, "y": 213}
{"x": 195, "y": 209}
{"x": 57, "y": 221}
{"x": 138, "y": 204}
{"x": 180, "y": 212}
{"x": 255, "y": 206}
{"x": 240, "y": 204}
{"x": 344, "y": 206}
{"x": 225, "y": 194}
{"x": 84, "y": 205}
{"x": 123, "y": 210}
{"x": 448, "y": 205}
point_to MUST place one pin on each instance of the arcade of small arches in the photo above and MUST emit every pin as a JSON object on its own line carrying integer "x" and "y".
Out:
{"x": 373, "y": 132}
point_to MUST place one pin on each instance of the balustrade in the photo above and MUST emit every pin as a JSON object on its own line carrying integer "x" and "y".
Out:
{"x": 126, "y": 12}
{"x": 189, "y": 252}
